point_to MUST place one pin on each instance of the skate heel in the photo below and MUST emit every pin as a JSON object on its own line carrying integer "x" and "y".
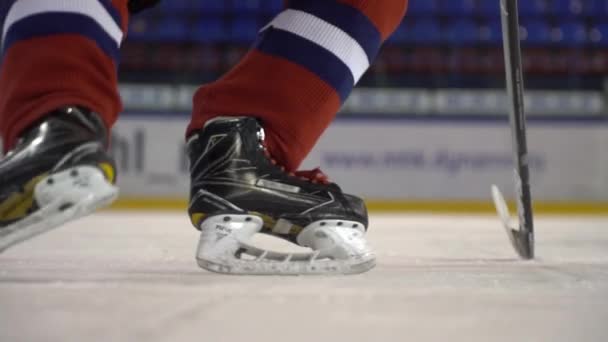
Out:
{"x": 338, "y": 247}
{"x": 61, "y": 197}
{"x": 337, "y": 239}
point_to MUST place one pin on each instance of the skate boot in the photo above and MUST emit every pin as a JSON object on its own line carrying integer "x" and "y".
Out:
{"x": 58, "y": 171}
{"x": 238, "y": 190}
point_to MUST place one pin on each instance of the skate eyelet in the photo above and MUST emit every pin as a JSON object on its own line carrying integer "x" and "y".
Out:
{"x": 226, "y": 218}
{"x": 74, "y": 173}
{"x": 248, "y": 219}
{"x": 339, "y": 223}
{"x": 50, "y": 181}
{"x": 322, "y": 223}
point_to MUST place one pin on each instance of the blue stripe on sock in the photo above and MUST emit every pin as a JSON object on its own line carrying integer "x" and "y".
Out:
{"x": 107, "y": 4}
{"x": 311, "y": 56}
{"x": 348, "y": 19}
{"x": 51, "y": 23}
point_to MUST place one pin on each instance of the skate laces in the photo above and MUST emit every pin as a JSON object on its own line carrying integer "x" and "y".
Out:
{"x": 315, "y": 175}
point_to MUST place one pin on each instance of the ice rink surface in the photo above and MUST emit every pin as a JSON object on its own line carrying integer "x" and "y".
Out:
{"x": 132, "y": 277}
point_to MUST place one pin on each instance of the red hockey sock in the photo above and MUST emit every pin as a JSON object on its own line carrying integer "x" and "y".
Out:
{"x": 301, "y": 70}
{"x": 58, "y": 53}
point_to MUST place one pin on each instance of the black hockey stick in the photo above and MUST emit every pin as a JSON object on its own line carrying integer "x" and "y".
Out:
{"x": 522, "y": 237}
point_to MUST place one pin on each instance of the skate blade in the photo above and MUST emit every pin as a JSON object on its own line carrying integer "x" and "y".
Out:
{"x": 62, "y": 197}
{"x": 223, "y": 248}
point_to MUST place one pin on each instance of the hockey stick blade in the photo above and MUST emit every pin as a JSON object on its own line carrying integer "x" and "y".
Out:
{"x": 521, "y": 240}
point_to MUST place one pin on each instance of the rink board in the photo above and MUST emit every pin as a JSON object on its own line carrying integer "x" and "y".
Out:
{"x": 395, "y": 162}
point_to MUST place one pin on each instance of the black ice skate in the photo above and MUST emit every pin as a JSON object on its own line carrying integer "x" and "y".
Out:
{"x": 57, "y": 172}
{"x": 237, "y": 190}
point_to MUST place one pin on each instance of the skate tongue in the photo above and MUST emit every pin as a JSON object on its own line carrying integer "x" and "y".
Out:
{"x": 315, "y": 175}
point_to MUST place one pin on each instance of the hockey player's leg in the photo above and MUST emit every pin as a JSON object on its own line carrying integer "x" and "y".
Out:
{"x": 281, "y": 97}
{"x": 58, "y": 100}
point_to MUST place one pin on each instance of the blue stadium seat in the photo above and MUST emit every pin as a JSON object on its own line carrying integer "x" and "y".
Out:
{"x": 455, "y": 8}
{"x": 170, "y": 29}
{"x": 247, "y": 6}
{"x": 175, "y": 6}
{"x": 536, "y": 32}
{"x": 272, "y": 6}
{"x": 417, "y": 31}
{"x": 461, "y": 32}
{"x": 572, "y": 33}
{"x": 596, "y": 8}
{"x": 208, "y": 6}
{"x": 599, "y": 35}
{"x": 491, "y": 32}
{"x": 401, "y": 34}
{"x": 422, "y": 8}
{"x": 140, "y": 28}
{"x": 533, "y": 8}
{"x": 422, "y": 31}
{"x": 209, "y": 30}
{"x": 244, "y": 29}
{"x": 488, "y": 9}
{"x": 566, "y": 8}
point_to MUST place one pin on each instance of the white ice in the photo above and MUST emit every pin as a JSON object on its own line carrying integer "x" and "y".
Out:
{"x": 132, "y": 277}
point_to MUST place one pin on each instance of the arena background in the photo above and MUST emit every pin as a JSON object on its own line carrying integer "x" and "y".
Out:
{"x": 426, "y": 128}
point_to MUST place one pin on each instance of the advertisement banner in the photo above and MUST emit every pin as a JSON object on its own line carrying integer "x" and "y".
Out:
{"x": 395, "y": 158}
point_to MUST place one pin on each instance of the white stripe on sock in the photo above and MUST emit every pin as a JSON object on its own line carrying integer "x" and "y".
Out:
{"x": 326, "y": 35}
{"x": 90, "y": 8}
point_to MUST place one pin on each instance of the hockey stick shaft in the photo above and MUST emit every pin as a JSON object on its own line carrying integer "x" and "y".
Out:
{"x": 517, "y": 119}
